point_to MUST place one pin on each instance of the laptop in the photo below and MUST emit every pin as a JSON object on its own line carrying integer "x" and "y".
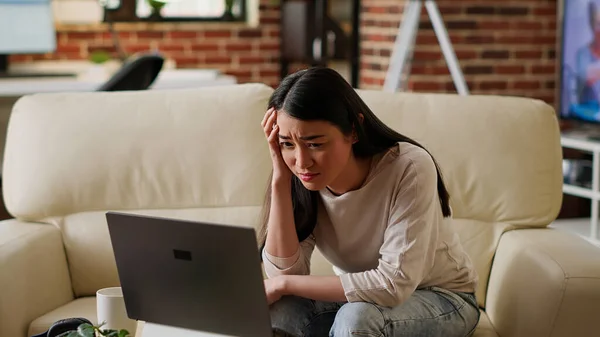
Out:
{"x": 195, "y": 276}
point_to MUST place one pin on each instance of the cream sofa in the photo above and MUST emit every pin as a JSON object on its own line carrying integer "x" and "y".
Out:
{"x": 201, "y": 154}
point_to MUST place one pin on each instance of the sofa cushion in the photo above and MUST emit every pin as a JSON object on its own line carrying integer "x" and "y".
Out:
{"x": 89, "y": 251}
{"x": 188, "y": 148}
{"x": 82, "y": 307}
{"x": 485, "y": 327}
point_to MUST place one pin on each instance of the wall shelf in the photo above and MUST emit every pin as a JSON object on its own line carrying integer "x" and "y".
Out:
{"x": 584, "y": 144}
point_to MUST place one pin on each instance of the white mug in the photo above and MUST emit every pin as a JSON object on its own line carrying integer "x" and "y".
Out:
{"x": 111, "y": 310}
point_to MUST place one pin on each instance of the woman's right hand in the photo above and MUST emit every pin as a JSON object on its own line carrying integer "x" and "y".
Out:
{"x": 280, "y": 170}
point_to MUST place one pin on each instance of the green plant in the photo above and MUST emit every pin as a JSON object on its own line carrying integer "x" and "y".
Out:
{"x": 229, "y": 5}
{"x": 99, "y": 56}
{"x": 156, "y": 5}
{"x": 88, "y": 330}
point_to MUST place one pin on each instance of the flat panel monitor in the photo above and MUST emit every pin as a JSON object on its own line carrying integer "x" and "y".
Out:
{"x": 26, "y": 27}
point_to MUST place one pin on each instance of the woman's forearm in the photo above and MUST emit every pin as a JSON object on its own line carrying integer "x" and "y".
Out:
{"x": 318, "y": 288}
{"x": 282, "y": 240}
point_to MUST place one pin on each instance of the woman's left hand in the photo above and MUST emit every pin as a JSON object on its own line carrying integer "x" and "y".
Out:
{"x": 274, "y": 288}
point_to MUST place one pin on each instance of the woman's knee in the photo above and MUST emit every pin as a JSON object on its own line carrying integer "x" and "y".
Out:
{"x": 289, "y": 315}
{"x": 358, "y": 318}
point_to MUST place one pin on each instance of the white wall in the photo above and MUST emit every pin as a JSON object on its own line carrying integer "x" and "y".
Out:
{"x": 77, "y": 11}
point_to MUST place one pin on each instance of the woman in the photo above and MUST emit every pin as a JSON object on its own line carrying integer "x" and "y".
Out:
{"x": 375, "y": 205}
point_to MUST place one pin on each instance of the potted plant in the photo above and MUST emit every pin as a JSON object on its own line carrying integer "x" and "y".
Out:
{"x": 98, "y": 70}
{"x": 88, "y": 330}
{"x": 157, "y": 6}
{"x": 228, "y": 13}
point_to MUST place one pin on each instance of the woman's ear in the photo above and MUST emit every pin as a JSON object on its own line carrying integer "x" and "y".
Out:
{"x": 361, "y": 118}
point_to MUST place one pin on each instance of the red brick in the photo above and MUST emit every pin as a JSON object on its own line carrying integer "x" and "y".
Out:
{"x": 375, "y": 9}
{"x": 63, "y": 56}
{"x": 429, "y": 70}
{"x": 264, "y": 46}
{"x": 450, "y": 9}
{"x": 426, "y": 39}
{"x": 466, "y": 54}
{"x": 184, "y": 61}
{"x": 543, "y": 69}
{"x": 486, "y": 10}
{"x": 250, "y": 33}
{"x": 368, "y": 51}
{"x": 495, "y": 54}
{"x": 461, "y": 25}
{"x": 493, "y": 25}
{"x": 544, "y": 11}
{"x": 493, "y": 85}
{"x": 427, "y": 86}
{"x": 268, "y": 20}
{"x": 239, "y": 72}
{"x": 476, "y": 70}
{"x": 377, "y": 37}
{"x": 527, "y": 85}
{"x": 535, "y": 25}
{"x": 427, "y": 55}
{"x": 217, "y": 60}
{"x": 373, "y": 81}
{"x": 238, "y": 46}
{"x": 251, "y": 59}
{"x": 72, "y": 36}
{"x": 519, "y": 11}
{"x": 150, "y": 35}
{"x": 184, "y": 35}
{"x": 171, "y": 47}
{"x": 510, "y": 70}
{"x": 528, "y": 54}
{"x": 479, "y": 39}
{"x": 136, "y": 48}
{"x": 68, "y": 48}
{"x": 217, "y": 34}
{"x": 121, "y": 35}
{"x": 205, "y": 46}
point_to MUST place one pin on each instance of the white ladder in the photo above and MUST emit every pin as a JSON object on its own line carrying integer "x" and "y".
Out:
{"x": 397, "y": 74}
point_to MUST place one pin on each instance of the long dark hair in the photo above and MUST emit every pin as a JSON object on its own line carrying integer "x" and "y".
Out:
{"x": 323, "y": 94}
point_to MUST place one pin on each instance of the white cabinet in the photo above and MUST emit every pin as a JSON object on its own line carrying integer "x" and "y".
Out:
{"x": 593, "y": 193}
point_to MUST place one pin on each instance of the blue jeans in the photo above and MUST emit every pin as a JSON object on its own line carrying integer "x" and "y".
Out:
{"x": 428, "y": 312}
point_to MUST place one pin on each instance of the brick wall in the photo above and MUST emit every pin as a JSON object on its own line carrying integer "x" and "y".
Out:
{"x": 250, "y": 54}
{"x": 503, "y": 47}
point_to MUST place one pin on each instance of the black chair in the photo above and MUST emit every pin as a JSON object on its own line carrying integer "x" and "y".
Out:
{"x": 136, "y": 74}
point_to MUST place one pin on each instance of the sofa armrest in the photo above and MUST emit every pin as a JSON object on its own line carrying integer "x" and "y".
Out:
{"x": 34, "y": 277}
{"x": 544, "y": 282}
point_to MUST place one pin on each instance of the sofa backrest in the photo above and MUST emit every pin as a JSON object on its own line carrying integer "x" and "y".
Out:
{"x": 79, "y": 152}
{"x": 201, "y": 154}
{"x": 190, "y": 154}
{"x": 500, "y": 156}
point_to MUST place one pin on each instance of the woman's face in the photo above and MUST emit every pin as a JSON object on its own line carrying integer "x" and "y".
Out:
{"x": 315, "y": 151}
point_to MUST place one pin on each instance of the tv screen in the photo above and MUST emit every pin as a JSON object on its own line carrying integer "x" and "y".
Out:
{"x": 580, "y": 60}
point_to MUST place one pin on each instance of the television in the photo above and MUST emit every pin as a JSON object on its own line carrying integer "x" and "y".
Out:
{"x": 26, "y": 27}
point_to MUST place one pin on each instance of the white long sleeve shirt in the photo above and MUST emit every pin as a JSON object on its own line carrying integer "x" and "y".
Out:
{"x": 387, "y": 238}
